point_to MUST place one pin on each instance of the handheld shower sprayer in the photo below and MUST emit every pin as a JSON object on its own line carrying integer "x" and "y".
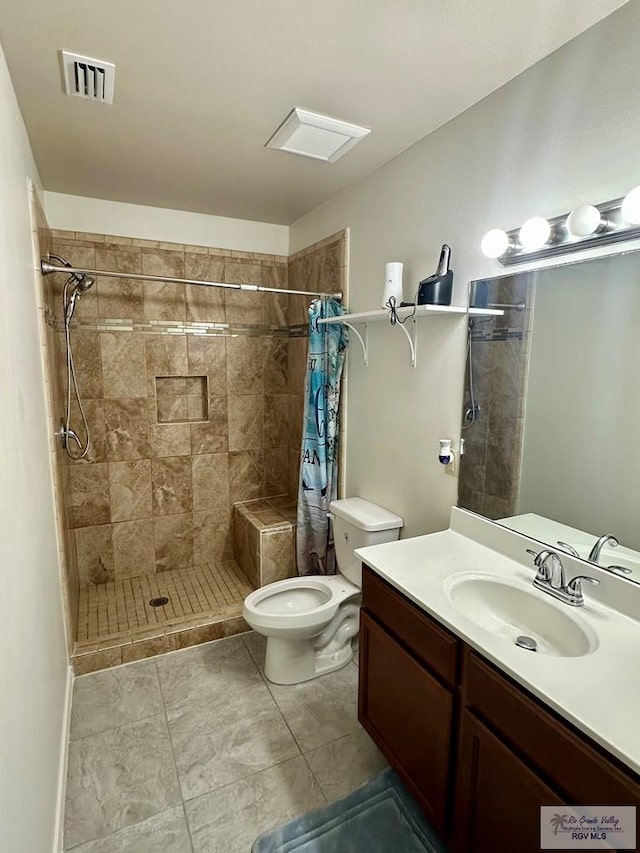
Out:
{"x": 73, "y": 288}
{"x": 71, "y": 304}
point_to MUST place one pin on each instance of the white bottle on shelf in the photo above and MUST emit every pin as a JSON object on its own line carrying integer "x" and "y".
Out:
{"x": 392, "y": 283}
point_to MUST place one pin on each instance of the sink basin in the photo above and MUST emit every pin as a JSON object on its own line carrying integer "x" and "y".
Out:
{"x": 508, "y": 610}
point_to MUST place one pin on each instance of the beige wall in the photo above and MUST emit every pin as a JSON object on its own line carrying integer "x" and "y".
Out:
{"x": 563, "y": 133}
{"x": 76, "y": 213}
{"x": 580, "y": 453}
{"x": 33, "y": 660}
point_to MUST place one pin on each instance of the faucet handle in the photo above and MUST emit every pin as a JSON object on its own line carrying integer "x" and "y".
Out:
{"x": 569, "y": 549}
{"x": 574, "y": 588}
{"x": 622, "y": 569}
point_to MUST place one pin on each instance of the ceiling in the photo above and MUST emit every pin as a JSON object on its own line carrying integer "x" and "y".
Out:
{"x": 202, "y": 84}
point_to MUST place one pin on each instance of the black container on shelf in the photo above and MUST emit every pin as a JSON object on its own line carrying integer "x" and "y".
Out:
{"x": 437, "y": 288}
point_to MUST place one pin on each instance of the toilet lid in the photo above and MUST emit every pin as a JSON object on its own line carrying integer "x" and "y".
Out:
{"x": 365, "y": 515}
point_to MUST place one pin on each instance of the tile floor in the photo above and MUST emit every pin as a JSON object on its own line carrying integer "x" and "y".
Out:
{"x": 195, "y": 752}
{"x": 121, "y": 608}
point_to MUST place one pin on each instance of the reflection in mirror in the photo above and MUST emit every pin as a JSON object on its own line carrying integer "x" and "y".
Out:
{"x": 551, "y": 408}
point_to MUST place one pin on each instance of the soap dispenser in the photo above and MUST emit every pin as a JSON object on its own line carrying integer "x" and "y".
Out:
{"x": 437, "y": 288}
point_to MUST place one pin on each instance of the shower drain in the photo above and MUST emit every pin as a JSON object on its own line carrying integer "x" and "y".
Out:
{"x": 160, "y": 601}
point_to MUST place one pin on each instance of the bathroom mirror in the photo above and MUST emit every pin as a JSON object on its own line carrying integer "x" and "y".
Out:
{"x": 551, "y": 408}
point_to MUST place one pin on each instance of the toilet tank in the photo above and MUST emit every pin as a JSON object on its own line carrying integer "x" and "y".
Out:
{"x": 356, "y": 524}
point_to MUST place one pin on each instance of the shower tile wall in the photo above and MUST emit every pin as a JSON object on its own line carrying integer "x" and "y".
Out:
{"x": 490, "y": 467}
{"x": 157, "y": 496}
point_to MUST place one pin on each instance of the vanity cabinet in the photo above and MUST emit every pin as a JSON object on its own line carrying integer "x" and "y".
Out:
{"x": 408, "y": 670}
{"x": 409, "y": 714}
{"x": 476, "y": 750}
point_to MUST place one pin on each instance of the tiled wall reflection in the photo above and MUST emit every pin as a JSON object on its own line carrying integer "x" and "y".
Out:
{"x": 490, "y": 467}
{"x": 158, "y": 496}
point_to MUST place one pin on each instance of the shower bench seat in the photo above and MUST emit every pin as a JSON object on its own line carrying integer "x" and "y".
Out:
{"x": 264, "y": 537}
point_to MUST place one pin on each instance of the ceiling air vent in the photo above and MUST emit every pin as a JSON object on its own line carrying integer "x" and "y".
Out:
{"x": 91, "y": 79}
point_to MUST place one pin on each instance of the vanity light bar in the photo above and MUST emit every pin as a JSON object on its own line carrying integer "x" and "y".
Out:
{"x": 584, "y": 227}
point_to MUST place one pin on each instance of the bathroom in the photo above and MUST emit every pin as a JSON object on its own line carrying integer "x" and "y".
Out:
{"x": 549, "y": 126}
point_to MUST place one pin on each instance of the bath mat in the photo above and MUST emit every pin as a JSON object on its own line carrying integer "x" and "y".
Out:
{"x": 380, "y": 817}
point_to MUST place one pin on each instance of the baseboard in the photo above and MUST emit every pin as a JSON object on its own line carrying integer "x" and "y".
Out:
{"x": 58, "y": 837}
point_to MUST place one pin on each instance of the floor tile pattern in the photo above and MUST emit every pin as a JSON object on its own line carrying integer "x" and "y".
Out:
{"x": 196, "y": 752}
{"x": 121, "y": 608}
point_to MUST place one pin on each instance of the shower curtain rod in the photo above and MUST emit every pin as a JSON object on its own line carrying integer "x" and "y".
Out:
{"x": 48, "y": 268}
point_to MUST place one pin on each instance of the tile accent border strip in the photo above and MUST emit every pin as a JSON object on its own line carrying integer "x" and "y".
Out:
{"x": 168, "y": 327}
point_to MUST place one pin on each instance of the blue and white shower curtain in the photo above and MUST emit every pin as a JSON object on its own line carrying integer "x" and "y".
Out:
{"x": 319, "y": 458}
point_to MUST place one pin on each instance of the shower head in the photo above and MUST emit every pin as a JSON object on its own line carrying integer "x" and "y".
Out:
{"x": 82, "y": 282}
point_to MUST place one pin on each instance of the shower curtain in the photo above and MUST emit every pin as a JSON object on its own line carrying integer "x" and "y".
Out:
{"x": 319, "y": 458}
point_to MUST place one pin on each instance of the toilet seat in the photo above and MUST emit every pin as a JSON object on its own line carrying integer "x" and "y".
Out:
{"x": 298, "y": 604}
{"x": 311, "y": 623}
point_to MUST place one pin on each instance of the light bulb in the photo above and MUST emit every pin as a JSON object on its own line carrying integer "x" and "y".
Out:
{"x": 631, "y": 207}
{"x": 495, "y": 243}
{"x": 534, "y": 233}
{"x": 584, "y": 220}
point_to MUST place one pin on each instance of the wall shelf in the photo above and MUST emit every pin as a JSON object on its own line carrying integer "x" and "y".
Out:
{"x": 383, "y": 314}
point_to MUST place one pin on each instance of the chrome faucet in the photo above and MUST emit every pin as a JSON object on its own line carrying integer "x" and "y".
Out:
{"x": 607, "y": 539}
{"x": 550, "y": 569}
{"x": 550, "y": 578}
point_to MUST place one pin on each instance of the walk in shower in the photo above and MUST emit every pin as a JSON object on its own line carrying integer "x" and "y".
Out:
{"x": 193, "y": 399}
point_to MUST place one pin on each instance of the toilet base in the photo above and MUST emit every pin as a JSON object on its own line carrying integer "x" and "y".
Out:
{"x": 293, "y": 661}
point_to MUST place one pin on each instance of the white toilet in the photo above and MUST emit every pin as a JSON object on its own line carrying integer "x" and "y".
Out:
{"x": 309, "y": 622}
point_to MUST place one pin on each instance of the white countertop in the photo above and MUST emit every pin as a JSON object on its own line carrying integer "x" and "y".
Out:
{"x": 598, "y": 692}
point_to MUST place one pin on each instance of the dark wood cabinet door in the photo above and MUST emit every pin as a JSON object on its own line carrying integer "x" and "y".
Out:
{"x": 498, "y": 798}
{"x": 408, "y": 713}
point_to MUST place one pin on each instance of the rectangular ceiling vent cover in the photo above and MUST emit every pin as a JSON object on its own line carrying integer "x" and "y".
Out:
{"x": 317, "y": 136}
{"x": 91, "y": 79}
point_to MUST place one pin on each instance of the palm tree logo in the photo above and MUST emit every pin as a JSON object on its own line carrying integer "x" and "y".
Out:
{"x": 558, "y": 822}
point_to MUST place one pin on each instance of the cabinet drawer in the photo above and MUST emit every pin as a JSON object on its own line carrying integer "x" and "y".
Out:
{"x": 568, "y": 760}
{"x": 429, "y": 642}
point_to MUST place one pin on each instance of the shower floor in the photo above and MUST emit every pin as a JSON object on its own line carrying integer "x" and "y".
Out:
{"x": 118, "y": 614}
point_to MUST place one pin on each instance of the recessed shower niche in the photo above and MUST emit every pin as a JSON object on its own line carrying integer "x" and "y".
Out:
{"x": 182, "y": 399}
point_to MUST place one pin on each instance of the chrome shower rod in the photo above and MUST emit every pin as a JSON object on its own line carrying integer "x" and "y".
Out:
{"x": 48, "y": 268}
{"x": 518, "y": 306}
